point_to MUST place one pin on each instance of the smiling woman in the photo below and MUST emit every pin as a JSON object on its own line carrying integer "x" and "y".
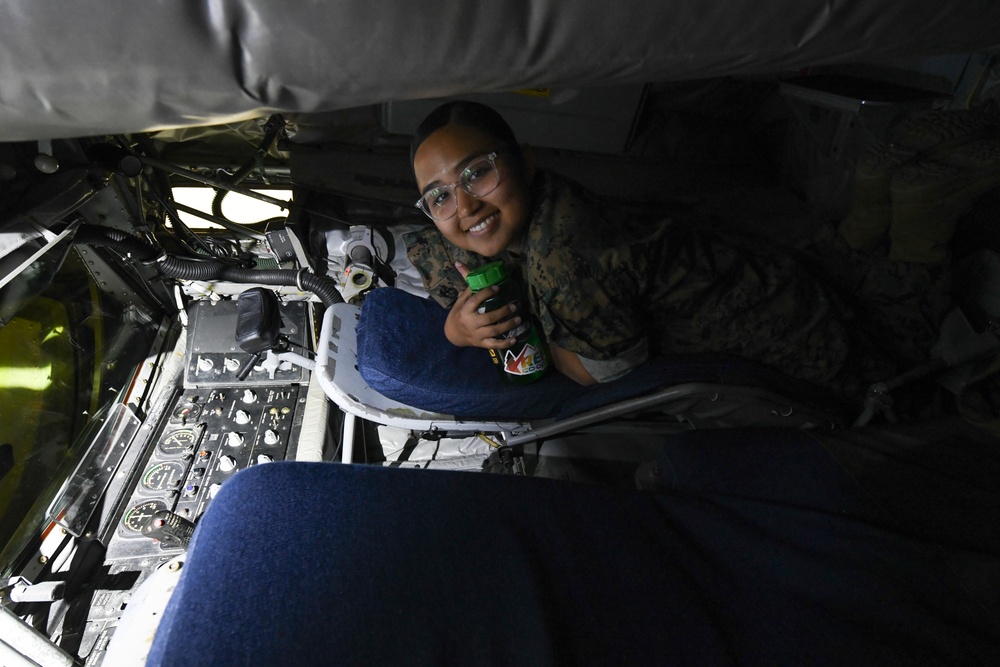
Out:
{"x": 612, "y": 291}
{"x": 485, "y": 221}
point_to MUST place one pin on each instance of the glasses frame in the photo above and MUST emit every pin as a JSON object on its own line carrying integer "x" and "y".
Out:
{"x": 491, "y": 158}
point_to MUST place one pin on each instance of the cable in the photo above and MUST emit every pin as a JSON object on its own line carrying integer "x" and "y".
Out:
{"x": 205, "y": 269}
{"x": 184, "y": 232}
{"x": 272, "y": 128}
{"x": 207, "y": 245}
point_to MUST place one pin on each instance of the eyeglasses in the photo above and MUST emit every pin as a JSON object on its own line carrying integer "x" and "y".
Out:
{"x": 479, "y": 179}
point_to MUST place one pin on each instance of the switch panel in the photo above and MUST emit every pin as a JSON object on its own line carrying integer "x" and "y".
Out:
{"x": 208, "y": 436}
{"x": 215, "y": 359}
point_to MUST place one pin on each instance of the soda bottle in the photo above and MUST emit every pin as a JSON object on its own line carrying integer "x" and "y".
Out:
{"x": 528, "y": 360}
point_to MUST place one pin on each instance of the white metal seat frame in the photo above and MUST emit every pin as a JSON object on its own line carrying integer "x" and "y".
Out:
{"x": 337, "y": 371}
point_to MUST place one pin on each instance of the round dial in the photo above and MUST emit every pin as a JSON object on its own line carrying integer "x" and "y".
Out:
{"x": 186, "y": 412}
{"x": 139, "y": 516}
{"x": 180, "y": 441}
{"x": 162, "y": 476}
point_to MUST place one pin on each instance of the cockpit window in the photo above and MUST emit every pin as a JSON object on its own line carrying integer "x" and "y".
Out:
{"x": 235, "y": 207}
{"x": 38, "y": 389}
{"x": 67, "y": 349}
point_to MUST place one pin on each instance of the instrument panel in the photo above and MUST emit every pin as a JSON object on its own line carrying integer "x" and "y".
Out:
{"x": 196, "y": 436}
{"x": 208, "y": 436}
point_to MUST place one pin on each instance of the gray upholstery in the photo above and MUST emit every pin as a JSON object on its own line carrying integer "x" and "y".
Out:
{"x": 120, "y": 66}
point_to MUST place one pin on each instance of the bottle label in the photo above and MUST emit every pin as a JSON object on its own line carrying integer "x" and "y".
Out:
{"x": 527, "y": 360}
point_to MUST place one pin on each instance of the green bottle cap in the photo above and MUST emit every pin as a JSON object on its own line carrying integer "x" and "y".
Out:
{"x": 487, "y": 275}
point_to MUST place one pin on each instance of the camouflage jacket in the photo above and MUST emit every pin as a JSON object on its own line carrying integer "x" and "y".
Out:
{"x": 609, "y": 287}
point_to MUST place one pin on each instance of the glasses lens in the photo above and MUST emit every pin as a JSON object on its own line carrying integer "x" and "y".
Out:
{"x": 440, "y": 203}
{"x": 480, "y": 178}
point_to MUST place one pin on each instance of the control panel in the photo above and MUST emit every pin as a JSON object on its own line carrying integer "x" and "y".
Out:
{"x": 196, "y": 438}
{"x": 215, "y": 359}
{"x": 208, "y": 435}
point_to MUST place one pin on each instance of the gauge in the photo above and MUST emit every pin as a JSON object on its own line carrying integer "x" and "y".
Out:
{"x": 187, "y": 412}
{"x": 163, "y": 476}
{"x": 180, "y": 441}
{"x": 139, "y": 516}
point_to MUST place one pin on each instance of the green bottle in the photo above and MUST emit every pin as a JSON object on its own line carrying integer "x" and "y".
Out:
{"x": 528, "y": 360}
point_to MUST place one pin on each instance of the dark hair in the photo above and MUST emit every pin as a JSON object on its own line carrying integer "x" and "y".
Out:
{"x": 468, "y": 114}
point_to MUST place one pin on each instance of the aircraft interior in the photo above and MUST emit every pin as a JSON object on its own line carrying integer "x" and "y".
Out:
{"x": 203, "y": 219}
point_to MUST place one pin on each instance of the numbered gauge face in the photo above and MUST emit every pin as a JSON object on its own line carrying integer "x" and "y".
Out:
{"x": 180, "y": 441}
{"x": 162, "y": 476}
{"x": 139, "y": 516}
{"x": 187, "y": 412}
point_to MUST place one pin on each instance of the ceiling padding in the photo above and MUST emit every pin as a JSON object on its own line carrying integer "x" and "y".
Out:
{"x": 79, "y": 69}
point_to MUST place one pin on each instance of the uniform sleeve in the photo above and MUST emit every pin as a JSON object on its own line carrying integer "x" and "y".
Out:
{"x": 612, "y": 369}
{"x": 586, "y": 277}
{"x": 587, "y": 309}
{"x": 434, "y": 259}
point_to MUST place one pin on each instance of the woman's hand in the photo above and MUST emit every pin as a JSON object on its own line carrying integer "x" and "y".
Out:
{"x": 466, "y": 327}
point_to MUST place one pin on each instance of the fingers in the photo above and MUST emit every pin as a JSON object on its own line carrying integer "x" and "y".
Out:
{"x": 488, "y": 329}
{"x": 492, "y": 334}
{"x": 498, "y": 343}
{"x": 476, "y": 299}
{"x": 472, "y": 301}
{"x": 484, "y": 319}
{"x": 466, "y": 326}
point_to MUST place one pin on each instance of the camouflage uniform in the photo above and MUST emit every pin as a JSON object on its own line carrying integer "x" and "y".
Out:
{"x": 900, "y": 305}
{"x": 608, "y": 288}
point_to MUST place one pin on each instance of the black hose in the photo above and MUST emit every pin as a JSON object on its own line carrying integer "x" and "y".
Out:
{"x": 271, "y": 129}
{"x": 117, "y": 240}
{"x": 322, "y": 287}
{"x": 210, "y": 269}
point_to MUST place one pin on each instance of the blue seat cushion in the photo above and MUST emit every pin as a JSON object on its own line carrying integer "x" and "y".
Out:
{"x": 762, "y": 550}
{"x": 404, "y": 355}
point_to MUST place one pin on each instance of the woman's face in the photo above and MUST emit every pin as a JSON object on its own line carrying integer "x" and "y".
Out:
{"x": 486, "y": 225}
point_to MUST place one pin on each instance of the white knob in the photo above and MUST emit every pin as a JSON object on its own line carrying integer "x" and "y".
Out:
{"x": 232, "y": 364}
{"x": 46, "y": 163}
{"x": 264, "y": 458}
{"x": 234, "y": 439}
{"x": 270, "y": 437}
{"x": 205, "y": 364}
{"x": 226, "y": 463}
{"x": 249, "y": 396}
{"x": 242, "y": 417}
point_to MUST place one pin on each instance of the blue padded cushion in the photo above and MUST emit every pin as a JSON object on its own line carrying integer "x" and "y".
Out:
{"x": 404, "y": 355}
{"x": 762, "y": 551}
